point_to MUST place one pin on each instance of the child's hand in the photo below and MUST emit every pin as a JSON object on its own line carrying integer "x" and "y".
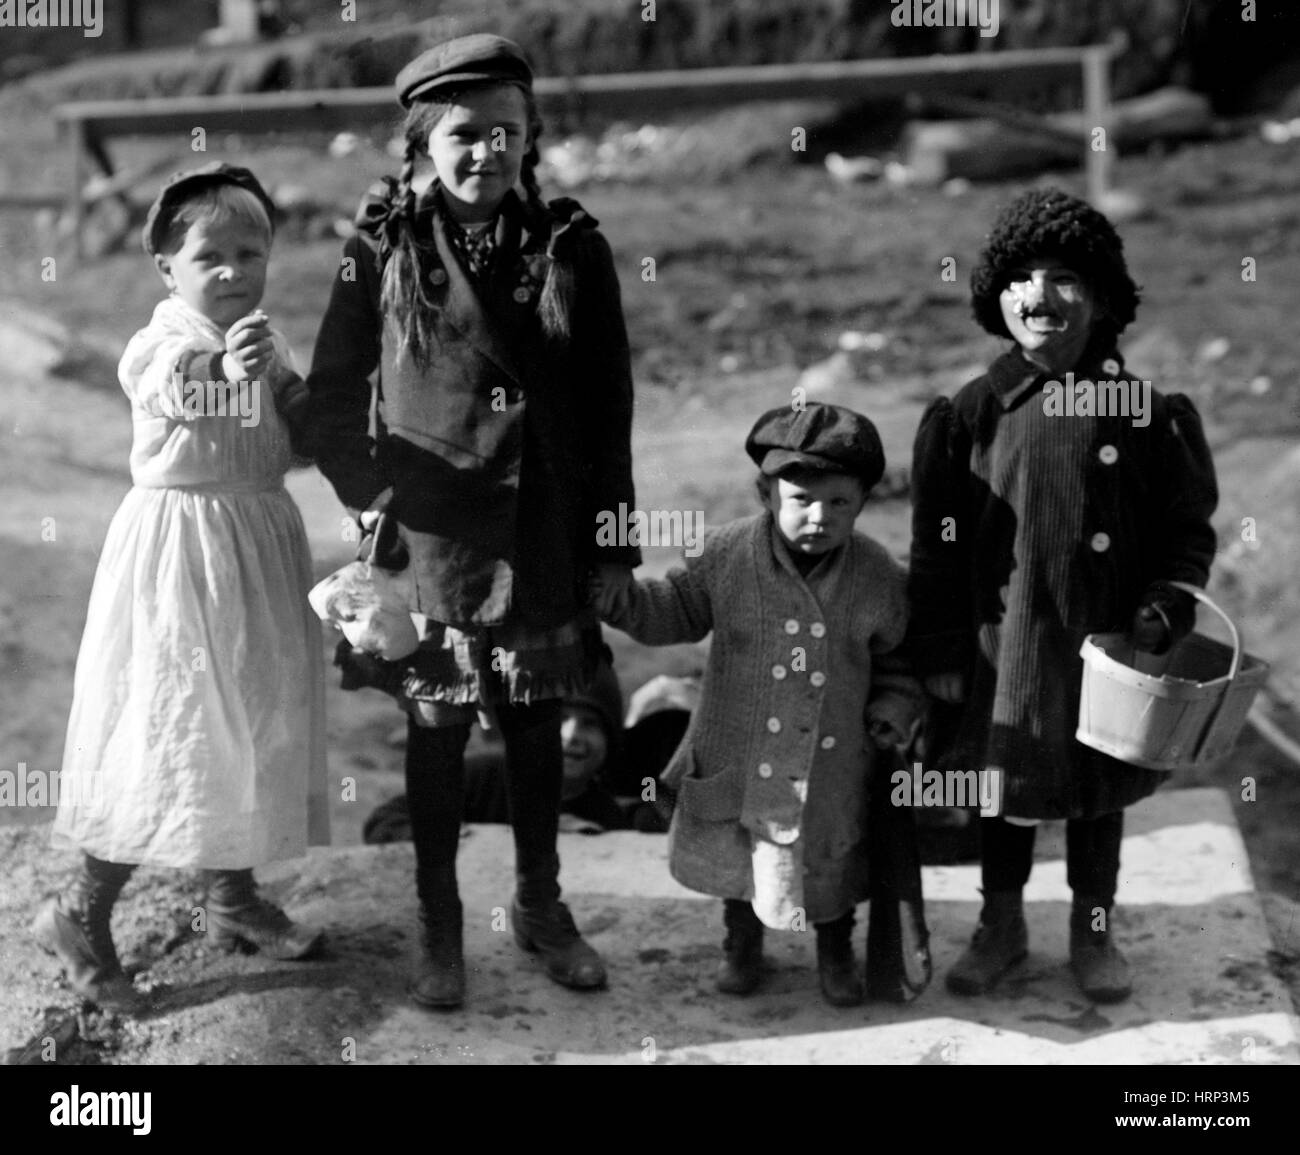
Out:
{"x": 946, "y": 687}
{"x": 1151, "y": 630}
{"x": 611, "y": 588}
{"x": 249, "y": 348}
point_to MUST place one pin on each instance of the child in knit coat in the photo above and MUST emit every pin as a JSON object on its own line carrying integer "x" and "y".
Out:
{"x": 1055, "y": 496}
{"x": 773, "y": 770}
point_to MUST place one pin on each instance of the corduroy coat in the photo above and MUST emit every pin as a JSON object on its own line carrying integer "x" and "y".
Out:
{"x": 1031, "y": 530}
{"x": 772, "y": 772}
{"x": 502, "y": 451}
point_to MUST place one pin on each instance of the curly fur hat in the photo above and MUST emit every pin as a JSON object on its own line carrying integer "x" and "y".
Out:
{"x": 1051, "y": 222}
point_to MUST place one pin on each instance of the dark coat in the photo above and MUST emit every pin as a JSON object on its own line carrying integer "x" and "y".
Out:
{"x": 502, "y": 451}
{"x": 1062, "y": 525}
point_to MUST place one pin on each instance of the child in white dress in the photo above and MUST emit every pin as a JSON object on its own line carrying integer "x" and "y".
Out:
{"x": 196, "y": 737}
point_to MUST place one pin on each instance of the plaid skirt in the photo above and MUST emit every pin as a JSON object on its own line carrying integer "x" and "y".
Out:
{"x": 457, "y": 672}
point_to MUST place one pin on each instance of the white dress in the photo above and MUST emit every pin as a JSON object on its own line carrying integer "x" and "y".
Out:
{"x": 197, "y": 732}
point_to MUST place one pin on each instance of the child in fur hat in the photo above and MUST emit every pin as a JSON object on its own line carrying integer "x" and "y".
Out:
{"x": 1055, "y": 496}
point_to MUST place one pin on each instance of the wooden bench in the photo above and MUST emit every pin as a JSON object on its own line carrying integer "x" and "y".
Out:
{"x": 87, "y": 126}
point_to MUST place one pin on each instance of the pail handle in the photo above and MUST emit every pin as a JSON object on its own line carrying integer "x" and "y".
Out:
{"x": 1201, "y": 596}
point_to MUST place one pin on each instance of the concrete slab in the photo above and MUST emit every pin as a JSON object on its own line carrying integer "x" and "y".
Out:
{"x": 1188, "y": 919}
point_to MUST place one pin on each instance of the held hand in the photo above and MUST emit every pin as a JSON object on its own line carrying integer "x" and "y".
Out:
{"x": 611, "y": 590}
{"x": 946, "y": 687}
{"x": 249, "y": 349}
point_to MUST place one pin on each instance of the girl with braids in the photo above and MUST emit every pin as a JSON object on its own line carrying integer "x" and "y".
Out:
{"x": 493, "y": 321}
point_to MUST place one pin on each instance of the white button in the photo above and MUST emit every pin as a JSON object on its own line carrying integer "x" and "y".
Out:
{"x": 765, "y": 769}
{"x": 817, "y": 678}
{"x": 521, "y": 295}
{"x": 792, "y": 627}
{"x": 828, "y": 743}
{"x": 1108, "y": 454}
{"x": 774, "y": 725}
{"x": 778, "y": 672}
{"x": 818, "y": 630}
{"x": 438, "y": 276}
{"x": 1110, "y": 366}
{"x": 1100, "y": 542}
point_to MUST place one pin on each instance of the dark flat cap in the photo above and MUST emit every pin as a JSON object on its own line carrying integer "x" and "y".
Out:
{"x": 817, "y": 436}
{"x": 180, "y": 186}
{"x": 470, "y": 59}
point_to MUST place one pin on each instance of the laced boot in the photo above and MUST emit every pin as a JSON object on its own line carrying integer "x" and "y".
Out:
{"x": 1001, "y": 940}
{"x": 439, "y": 978}
{"x": 237, "y": 915}
{"x": 1100, "y": 970}
{"x": 544, "y": 925}
{"x": 741, "y": 969}
{"x": 74, "y": 927}
{"x": 841, "y": 983}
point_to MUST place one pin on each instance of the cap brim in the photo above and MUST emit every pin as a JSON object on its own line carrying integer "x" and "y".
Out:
{"x": 459, "y": 79}
{"x": 779, "y": 459}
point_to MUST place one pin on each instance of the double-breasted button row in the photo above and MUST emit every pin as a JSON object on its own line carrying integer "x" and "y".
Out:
{"x": 817, "y": 678}
{"x": 817, "y": 629}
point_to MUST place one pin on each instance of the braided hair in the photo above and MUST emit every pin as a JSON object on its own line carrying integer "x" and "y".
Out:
{"x": 403, "y": 292}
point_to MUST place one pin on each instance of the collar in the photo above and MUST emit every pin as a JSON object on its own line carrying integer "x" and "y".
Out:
{"x": 1012, "y": 377}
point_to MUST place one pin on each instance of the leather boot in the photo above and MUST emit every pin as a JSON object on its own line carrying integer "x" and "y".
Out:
{"x": 544, "y": 925}
{"x": 551, "y": 932}
{"x": 841, "y": 982}
{"x": 74, "y": 927}
{"x": 1001, "y": 940}
{"x": 439, "y": 978}
{"x": 1100, "y": 970}
{"x": 237, "y": 915}
{"x": 741, "y": 969}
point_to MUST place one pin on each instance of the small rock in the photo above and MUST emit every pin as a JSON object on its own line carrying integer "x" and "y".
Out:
{"x": 1213, "y": 350}
{"x": 344, "y": 144}
{"x": 852, "y": 341}
{"x": 854, "y": 169}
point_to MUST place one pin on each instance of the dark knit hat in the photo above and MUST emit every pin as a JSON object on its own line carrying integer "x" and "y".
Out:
{"x": 181, "y": 186}
{"x": 474, "y": 59}
{"x": 1052, "y": 223}
{"x": 818, "y": 436}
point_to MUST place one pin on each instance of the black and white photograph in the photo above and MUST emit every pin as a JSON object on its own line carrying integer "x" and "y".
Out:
{"x": 623, "y": 533}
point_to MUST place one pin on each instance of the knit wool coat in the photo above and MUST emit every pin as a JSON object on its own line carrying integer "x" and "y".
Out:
{"x": 772, "y": 772}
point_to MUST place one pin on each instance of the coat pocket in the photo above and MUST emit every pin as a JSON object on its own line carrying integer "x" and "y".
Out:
{"x": 716, "y": 798}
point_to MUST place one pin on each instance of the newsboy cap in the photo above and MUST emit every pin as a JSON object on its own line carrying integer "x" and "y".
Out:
{"x": 817, "y": 436}
{"x": 463, "y": 60}
{"x": 180, "y": 186}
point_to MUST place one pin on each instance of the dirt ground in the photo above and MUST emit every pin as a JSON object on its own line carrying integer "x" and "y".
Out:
{"x": 757, "y": 272}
